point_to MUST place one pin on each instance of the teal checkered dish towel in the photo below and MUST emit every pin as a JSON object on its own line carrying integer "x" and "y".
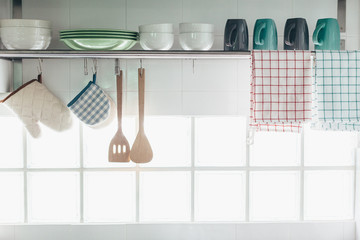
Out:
{"x": 337, "y": 91}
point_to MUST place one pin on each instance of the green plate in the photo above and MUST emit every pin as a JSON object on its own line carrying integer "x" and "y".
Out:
{"x": 99, "y": 33}
{"x": 99, "y": 43}
{"x": 99, "y": 36}
{"x": 98, "y": 30}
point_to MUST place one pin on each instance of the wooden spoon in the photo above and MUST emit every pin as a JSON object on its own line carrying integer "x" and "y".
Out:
{"x": 141, "y": 151}
{"x": 119, "y": 149}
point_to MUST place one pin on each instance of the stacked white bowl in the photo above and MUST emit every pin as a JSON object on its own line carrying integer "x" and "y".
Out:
{"x": 156, "y": 36}
{"x": 196, "y": 36}
{"x": 26, "y": 34}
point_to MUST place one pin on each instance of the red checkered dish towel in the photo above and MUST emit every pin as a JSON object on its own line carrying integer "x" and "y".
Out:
{"x": 281, "y": 89}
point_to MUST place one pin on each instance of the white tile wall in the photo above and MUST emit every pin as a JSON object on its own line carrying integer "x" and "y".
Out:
{"x": 325, "y": 231}
{"x": 7, "y": 232}
{"x": 200, "y": 231}
{"x": 181, "y": 232}
{"x": 97, "y": 14}
{"x": 213, "y": 11}
{"x": 155, "y": 11}
{"x": 210, "y": 103}
{"x": 5, "y": 5}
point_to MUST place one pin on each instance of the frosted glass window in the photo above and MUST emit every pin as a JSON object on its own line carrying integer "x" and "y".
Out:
{"x": 329, "y": 195}
{"x": 329, "y": 148}
{"x": 170, "y": 141}
{"x": 53, "y": 197}
{"x": 11, "y": 143}
{"x": 274, "y": 196}
{"x": 97, "y": 141}
{"x": 54, "y": 149}
{"x": 165, "y": 196}
{"x": 275, "y": 149}
{"x": 12, "y": 197}
{"x": 109, "y": 196}
{"x": 219, "y": 196}
{"x": 220, "y": 141}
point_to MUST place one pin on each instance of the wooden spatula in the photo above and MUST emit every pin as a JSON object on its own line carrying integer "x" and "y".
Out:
{"x": 119, "y": 149}
{"x": 141, "y": 151}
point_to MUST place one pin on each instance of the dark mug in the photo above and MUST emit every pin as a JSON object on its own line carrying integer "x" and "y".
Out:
{"x": 265, "y": 35}
{"x": 296, "y": 34}
{"x": 236, "y": 36}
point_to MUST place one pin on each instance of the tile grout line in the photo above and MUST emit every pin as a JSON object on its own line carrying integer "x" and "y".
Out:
{"x": 81, "y": 182}
{"x": 247, "y": 176}
{"x": 25, "y": 182}
{"x": 126, "y": 12}
{"x": 302, "y": 177}
{"x": 192, "y": 169}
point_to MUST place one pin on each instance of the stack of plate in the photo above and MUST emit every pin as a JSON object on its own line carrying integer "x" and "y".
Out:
{"x": 99, "y": 39}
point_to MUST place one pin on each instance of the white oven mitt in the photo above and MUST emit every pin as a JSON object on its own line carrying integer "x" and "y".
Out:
{"x": 33, "y": 102}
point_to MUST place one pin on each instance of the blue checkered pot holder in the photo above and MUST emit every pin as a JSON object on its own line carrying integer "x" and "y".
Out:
{"x": 91, "y": 105}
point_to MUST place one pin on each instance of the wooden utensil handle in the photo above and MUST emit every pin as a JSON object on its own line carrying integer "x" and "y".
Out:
{"x": 141, "y": 77}
{"x": 119, "y": 90}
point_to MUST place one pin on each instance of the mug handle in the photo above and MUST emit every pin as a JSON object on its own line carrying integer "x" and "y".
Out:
{"x": 257, "y": 34}
{"x": 287, "y": 37}
{"x": 231, "y": 43}
{"x": 316, "y": 33}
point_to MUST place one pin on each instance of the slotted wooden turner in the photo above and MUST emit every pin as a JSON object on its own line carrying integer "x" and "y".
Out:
{"x": 141, "y": 151}
{"x": 119, "y": 149}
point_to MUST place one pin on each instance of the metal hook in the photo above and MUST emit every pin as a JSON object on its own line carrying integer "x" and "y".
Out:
{"x": 95, "y": 68}
{"x": 141, "y": 67}
{"x": 39, "y": 67}
{"x": 85, "y": 67}
{"x": 117, "y": 66}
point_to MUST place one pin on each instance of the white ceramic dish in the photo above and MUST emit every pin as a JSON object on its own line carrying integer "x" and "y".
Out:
{"x": 157, "y": 28}
{"x": 29, "y": 38}
{"x": 30, "y": 31}
{"x": 196, "y": 41}
{"x": 26, "y": 43}
{"x": 25, "y": 23}
{"x": 156, "y": 41}
{"x": 196, "y": 27}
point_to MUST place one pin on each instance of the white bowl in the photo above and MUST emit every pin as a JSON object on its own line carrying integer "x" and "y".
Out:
{"x": 196, "y": 27}
{"x": 25, "y": 23}
{"x": 26, "y": 43}
{"x": 196, "y": 41}
{"x": 156, "y": 41}
{"x": 25, "y": 38}
{"x": 157, "y": 28}
{"x": 30, "y": 31}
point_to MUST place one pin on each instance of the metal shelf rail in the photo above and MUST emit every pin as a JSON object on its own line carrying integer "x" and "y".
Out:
{"x": 58, "y": 54}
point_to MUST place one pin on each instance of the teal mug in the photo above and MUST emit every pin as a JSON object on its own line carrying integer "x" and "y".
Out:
{"x": 265, "y": 35}
{"x": 327, "y": 34}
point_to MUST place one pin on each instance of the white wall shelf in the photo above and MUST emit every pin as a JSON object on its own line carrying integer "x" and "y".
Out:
{"x": 66, "y": 54}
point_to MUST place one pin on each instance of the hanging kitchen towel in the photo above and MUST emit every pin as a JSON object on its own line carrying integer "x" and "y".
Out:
{"x": 93, "y": 106}
{"x": 33, "y": 102}
{"x": 281, "y": 90}
{"x": 337, "y": 91}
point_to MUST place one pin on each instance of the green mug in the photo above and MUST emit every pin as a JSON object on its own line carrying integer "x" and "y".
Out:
{"x": 265, "y": 35}
{"x": 327, "y": 34}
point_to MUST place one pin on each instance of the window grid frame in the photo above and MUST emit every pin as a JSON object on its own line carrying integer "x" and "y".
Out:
{"x": 247, "y": 169}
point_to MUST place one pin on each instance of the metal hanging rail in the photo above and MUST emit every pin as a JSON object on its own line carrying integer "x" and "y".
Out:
{"x": 56, "y": 54}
